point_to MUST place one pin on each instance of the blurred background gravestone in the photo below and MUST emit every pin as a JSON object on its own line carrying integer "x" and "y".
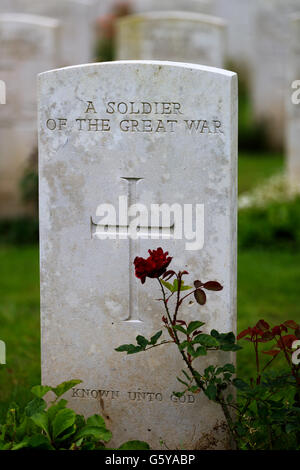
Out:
{"x": 271, "y": 46}
{"x": 173, "y": 36}
{"x": 77, "y": 17}
{"x": 293, "y": 105}
{"x": 200, "y": 6}
{"x": 28, "y": 45}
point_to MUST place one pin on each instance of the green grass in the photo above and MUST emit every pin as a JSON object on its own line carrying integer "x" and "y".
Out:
{"x": 268, "y": 288}
{"x": 255, "y": 168}
{"x": 19, "y": 323}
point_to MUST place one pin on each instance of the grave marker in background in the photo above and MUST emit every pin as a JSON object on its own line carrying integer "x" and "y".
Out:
{"x": 293, "y": 105}
{"x": 173, "y": 36}
{"x": 77, "y": 24}
{"x": 271, "y": 46}
{"x": 200, "y": 6}
{"x": 28, "y": 45}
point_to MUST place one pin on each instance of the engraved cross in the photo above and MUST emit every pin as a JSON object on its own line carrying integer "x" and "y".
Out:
{"x": 122, "y": 231}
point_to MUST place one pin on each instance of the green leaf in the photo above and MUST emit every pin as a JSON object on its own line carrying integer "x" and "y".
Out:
{"x": 187, "y": 376}
{"x": 201, "y": 351}
{"x": 39, "y": 441}
{"x": 22, "y": 429}
{"x": 215, "y": 334}
{"x": 125, "y": 347}
{"x": 63, "y": 420}
{"x": 183, "y": 345}
{"x": 54, "y": 409}
{"x": 167, "y": 285}
{"x": 96, "y": 432}
{"x": 135, "y": 350}
{"x": 41, "y": 420}
{"x": 141, "y": 341}
{"x": 64, "y": 387}
{"x": 134, "y": 445}
{"x": 174, "y": 287}
{"x": 209, "y": 370}
{"x": 96, "y": 420}
{"x": 155, "y": 337}
{"x": 194, "y": 325}
{"x": 211, "y": 392}
{"x": 129, "y": 348}
{"x": 40, "y": 390}
{"x": 241, "y": 385}
{"x": 181, "y": 381}
{"x": 37, "y": 405}
{"x": 182, "y": 286}
{"x": 180, "y": 328}
{"x": 178, "y": 394}
{"x": 191, "y": 350}
{"x": 230, "y": 347}
{"x": 21, "y": 445}
{"x": 206, "y": 340}
{"x": 229, "y": 368}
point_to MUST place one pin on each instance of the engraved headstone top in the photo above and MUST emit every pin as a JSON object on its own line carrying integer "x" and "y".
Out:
{"x": 114, "y": 138}
{"x": 177, "y": 36}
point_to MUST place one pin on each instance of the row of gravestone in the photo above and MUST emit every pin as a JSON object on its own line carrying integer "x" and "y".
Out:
{"x": 31, "y": 44}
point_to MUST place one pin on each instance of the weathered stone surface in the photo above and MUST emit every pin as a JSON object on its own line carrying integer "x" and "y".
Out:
{"x": 77, "y": 19}
{"x": 240, "y": 16}
{"x": 271, "y": 45}
{"x": 200, "y": 6}
{"x": 28, "y": 45}
{"x": 152, "y": 154}
{"x": 177, "y": 36}
{"x": 293, "y": 105}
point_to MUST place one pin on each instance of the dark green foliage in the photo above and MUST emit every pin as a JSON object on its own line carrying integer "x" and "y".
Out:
{"x": 276, "y": 226}
{"x": 55, "y": 427}
{"x": 19, "y": 231}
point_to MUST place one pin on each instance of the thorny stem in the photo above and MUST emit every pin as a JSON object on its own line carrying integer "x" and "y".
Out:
{"x": 257, "y": 361}
{"x": 188, "y": 363}
{"x": 159, "y": 344}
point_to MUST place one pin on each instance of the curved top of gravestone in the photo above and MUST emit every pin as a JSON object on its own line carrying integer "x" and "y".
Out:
{"x": 98, "y": 65}
{"x": 173, "y": 16}
{"x": 35, "y": 20}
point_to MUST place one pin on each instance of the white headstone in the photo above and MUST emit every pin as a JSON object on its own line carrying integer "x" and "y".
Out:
{"x": 28, "y": 45}
{"x": 176, "y": 36}
{"x": 271, "y": 60}
{"x": 293, "y": 105}
{"x": 77, "y": 21}
{"x": 240, "y": 17}
{"x": 150, "y": 133}
{"x": 200, "y": 6}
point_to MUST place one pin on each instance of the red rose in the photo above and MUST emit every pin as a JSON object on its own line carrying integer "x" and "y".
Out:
{"x": 152, "y": 267}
